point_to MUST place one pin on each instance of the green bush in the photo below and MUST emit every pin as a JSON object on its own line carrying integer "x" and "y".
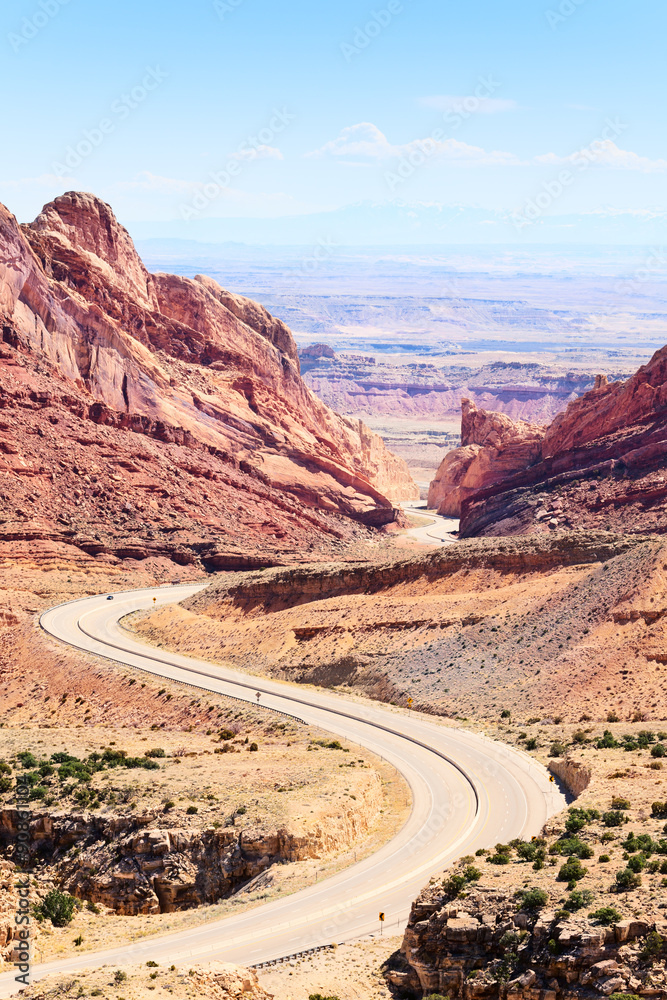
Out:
{"x": 653, "y": 945}
{"x": 5, "y": 783}
{"x": 606, "y": 915}
{"x": 637, "y": 863}
{"x": 572, "y": 846}
{"x": 192, "y": 810}
{"x": 156, "y": 752}
{"x": 618, "y": 802}
{"x": 572, "y": 871}
{"x": 577, "y": 818}
{"x": 533, "y": 899}
{"x": 578, "y": 899}
{"x": 658, "y": 750}
{"x": 614, "y": 818}
{"x": 627, "y": 879}
{"x": 58, "y": 907}
{"x": 557, "y": 748}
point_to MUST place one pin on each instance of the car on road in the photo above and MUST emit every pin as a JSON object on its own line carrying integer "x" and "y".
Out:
{"x": 110, "y": 597}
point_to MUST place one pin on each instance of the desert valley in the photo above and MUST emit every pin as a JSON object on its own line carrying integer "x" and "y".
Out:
{"x": 162, "y": 431}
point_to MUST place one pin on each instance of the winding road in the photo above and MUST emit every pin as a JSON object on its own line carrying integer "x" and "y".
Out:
{"x": 468, "y": 792}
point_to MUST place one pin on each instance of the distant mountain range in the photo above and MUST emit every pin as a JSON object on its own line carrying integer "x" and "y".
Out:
{"x": 368, "y": 223}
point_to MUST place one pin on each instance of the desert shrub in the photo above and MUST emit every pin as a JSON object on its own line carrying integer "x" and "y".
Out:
{"x": 534, "y": 899}
{"x": 652, "y": 945}
{"x": 5, "y": 783}
{"x": 253, "y": 747}
{"x": 627, "y": 879}
{"x": 156, "y": 752}
{"x": 624, "y": 996}
{"x": 659, "y": 809}
{"x": 637, "y": 863}
{"x": 579, "y": 818}
{"x": 618, "y": 802}
{"x": 227, "y": 734}
{"x": 612, "y": 716}
{"x": 606, "y": 915}
{"x": 572, "y": 846}
{"x": 120, "y": 976}
{"x": 58, "y": 907}
{"x": 604, "y": 858}
{"x": 578, "y": 899}
{"x": 614, "y": 818}
{"x": 658, "y": 750}
{"x": 27, "y": 759}
{"x": 4, "y": 767}
{"x": 607, "y": 741}
{"x": 572, "y": 871}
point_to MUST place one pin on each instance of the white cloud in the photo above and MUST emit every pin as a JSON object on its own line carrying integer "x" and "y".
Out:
{"x": 365, "y": 143}
{"x": 469, "y": 105}
{"x": 605, "y": 153}
{"x": 43, "y": 181}
{"x": 258, "y": 153}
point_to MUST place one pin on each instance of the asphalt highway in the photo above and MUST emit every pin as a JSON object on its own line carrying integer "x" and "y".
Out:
{"x": 467, "y": 790}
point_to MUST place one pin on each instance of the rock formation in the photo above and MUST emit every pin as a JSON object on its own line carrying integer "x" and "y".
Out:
{"x": 359, "y": 384}
{"x": 492, "y": 448}
{"x": 87, "y": 331}
{"x": 604, "y": 456}
{"x": 487, "y": 946}
{"x": 150, "y": 863}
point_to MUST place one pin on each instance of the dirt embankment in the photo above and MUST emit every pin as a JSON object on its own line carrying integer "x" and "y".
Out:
{"x": 573, "y": 620}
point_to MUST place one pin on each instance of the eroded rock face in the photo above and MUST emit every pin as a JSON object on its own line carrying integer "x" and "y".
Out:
{"x": 184, "y": 356}
{"x": 612, "y": 441}
{"x": 151, "y": 864}
{"x": 493, "y": 447}
{"x": 483, "y": 946}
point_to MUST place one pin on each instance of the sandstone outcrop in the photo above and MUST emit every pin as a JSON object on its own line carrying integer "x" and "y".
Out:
{"x": 575, "y": 776}
{"x": 89, "y": 336}
{"x": 151, "y": 864}
{"x": 487, "y": 946}
{"x": 611, "y": 442}
{"x": 357, "y": 384}
{"x": 493, "y": 447}
{"x": 215, "y": 981}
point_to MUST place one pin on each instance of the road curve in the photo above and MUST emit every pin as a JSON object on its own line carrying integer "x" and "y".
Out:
{"x": 438, "y": 529}
{"x": 468, "y": 792}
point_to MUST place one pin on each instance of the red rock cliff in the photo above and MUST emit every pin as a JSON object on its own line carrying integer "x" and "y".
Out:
{"x": 183, "y": 354}
{"x": 493, "y": 446}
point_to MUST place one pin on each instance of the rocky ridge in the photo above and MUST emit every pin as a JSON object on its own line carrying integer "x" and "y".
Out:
{"x": 575, "y": 619}
{"x": 354, "y": 383}
{"x": 107, "y": 363}
{"x": 148, "y": 863}
{"x": 488, "y": 945}
{"x": 612, "y": 441}
{"x": 493, "y": 447}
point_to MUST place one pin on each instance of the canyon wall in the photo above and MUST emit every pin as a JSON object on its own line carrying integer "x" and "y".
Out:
{"x": 357, "y": 384}
{"x": 145, "y": 864}
{"x": 87, "y": 329}
{"x": 492, "y": 448}
{"x": 486, "y": 946}
{"x": 612, "y": 441}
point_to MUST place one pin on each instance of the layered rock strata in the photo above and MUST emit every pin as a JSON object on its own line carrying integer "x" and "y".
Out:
{"x": 485, "y": 946}
{"x": 87, "y": 331}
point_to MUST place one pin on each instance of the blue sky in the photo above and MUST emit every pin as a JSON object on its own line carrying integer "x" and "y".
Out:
{"x": 179, "y": 113}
